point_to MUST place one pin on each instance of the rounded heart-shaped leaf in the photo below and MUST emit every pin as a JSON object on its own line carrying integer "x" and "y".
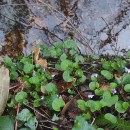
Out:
{"x": 127, "y": 88}
{"x": 57, "y": 104}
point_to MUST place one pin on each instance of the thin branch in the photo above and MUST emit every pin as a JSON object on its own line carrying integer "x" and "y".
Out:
{"x": 36, "y": 111}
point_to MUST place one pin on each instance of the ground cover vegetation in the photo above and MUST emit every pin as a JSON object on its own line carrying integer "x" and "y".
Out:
{"x": 58, "y": 88}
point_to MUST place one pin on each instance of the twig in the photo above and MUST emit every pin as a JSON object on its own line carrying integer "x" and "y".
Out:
{"x": 16, "y": 121}
{"x": 45, "y": 113}
{"x": 14, "y": 87}
{"x": 78, "y": 93}
{"x": 93, "y": 121}
{"x": 18, "y": 106}
{"x": 36, "y": 111}
{"x": 71, "y": 101}
{"x": 105, "y": 22}
{"x": 47, "y": 127}
{"x": 55, "y": 123}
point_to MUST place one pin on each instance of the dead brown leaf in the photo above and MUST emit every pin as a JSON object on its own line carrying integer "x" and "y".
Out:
{"x": 36, "y": 53}
{"x": 105, "y": 87}
{"x": 42, "y": 62}
{"x": 67, "y": 105}
{"x": 62, "y": 85}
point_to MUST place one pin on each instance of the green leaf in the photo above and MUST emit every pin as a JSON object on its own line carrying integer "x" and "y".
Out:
{"x": 108, "y": 100}
{"x": 58, "y": 66}
{"x": 6, "y": 123}
{"x": 125, "y": 105}
{"x": 58, "y": 51}
{"x": 63, "y": 57}
{"x": 20, "y": 96}
{"x": 94, "y": 105}
{"x": 110, "y": 117}
{"x": 25, "y": 60}
{"x": 115, "y": 66}
{"x": 32, "y": 123}
{"x": 93, "y": 85}
{"x": 94, "y": 77}
{"x": 95, "y": 56}
{"x": 12, "y": 103}
{"x": 81, "y": 124}
{"x": 65, "y": 64}
{"x": 127, "y": 87}
{"x": 126, "y": 79}
{"x": 79, "y": 58}
{"x": 98, "y": 92}
{"x": 113, "y": 85}
{"x": 114, "y": 99}
{"x": 107, "y": 74}
{"x": 75, "y": 65}
{"x": 67, "y": 77}
{"x": 49, "y": 99}
{"x": 55, "y": 128}
{"x": 57, "y": 104}
{"x": 13, "y": 75}
{"x": 45, "y": 50}
{"x": 119, "y": 107}
{"x": 106, "y": 95}
{"x": 58, "y": 45}
{"x": 128, "y": 54}
{"x": 36, "y": 102}
{"x": 106, "y": 65}
{"x": 8, "y": 62}
{"x": 28, "y": 68}
{"x": 34, "y": 80}
{"x": 82, "y": 79}
{"x": 55, "y": 118}
{"x": 86, "y": 116}
{"x": 72, "y": 52}
{"x": 20, "y": 66}
{"x": 81, "y": 104}
{"x": 53, "y": 53}
{"x": 79, "y": 73}
{"x": 70, "y": 44}
{"x": 24, "y": 115}
{"x": 50, "y": 88}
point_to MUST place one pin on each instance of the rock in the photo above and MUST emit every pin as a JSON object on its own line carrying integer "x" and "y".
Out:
{"x": 103, "y": 36}
{"x": 4, "y": 87}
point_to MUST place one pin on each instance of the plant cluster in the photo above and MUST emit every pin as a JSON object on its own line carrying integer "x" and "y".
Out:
{"x": 98, "y": 85}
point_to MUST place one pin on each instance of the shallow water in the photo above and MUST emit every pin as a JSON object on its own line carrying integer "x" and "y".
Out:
{"x": 103, "y": 24}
